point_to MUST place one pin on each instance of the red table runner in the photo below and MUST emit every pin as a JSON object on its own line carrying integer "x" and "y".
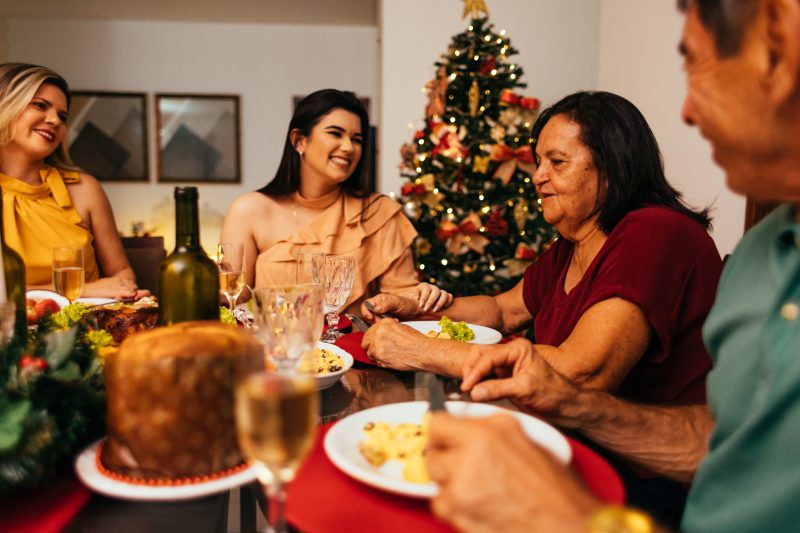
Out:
{"x": 323, "y": 499}
{"x": 47, "y": 510}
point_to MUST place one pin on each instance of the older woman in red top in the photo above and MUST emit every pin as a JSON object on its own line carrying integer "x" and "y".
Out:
{"x": 617, "y": 303}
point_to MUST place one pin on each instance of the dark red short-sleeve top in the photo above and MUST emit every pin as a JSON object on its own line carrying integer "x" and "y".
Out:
{"x": 659, "y": 259}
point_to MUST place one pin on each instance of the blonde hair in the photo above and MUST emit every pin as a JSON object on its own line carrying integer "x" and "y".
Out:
{"x": 18, "y": 85}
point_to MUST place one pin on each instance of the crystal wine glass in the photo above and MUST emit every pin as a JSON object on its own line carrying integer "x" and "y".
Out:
{"x": 68, "y": 273}
{"x": 289, "y": 321}
{"x": 339, "y": 275}
{"x": 276, "y": 417}
{"x": 230, "y": 261}
{"x": 310, "y": 268}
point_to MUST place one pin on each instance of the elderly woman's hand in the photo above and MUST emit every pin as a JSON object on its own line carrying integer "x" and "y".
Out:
{"x": 516, "y": 371}
{"x": 392, "y": 344}
{"x": 493, "y": 478}
{"x": 392, "y": 305}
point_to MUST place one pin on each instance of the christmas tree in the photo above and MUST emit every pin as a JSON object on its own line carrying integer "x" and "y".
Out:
{"x": 469, "y": 191}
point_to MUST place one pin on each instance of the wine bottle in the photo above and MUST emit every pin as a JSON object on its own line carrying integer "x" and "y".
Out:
{"x": 14, "y": 270}
{"x": 188, "y": 280}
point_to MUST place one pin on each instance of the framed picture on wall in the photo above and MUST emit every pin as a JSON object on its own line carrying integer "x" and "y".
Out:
{"x": 198, "y": 138}
{"x": 108, "y": 134}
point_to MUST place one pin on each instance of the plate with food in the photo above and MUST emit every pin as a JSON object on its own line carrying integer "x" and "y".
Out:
{"x": 383, "y": 446}
{"x": 462, "y": 331}
{"x": 327, "y": 363}
{"x": 95, "y": 476}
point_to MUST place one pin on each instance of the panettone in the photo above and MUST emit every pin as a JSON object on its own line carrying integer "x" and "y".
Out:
{"x": 170, "y": 394}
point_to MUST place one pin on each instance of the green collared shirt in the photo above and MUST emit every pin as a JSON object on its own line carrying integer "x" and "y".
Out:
{"x": 750, "y": 480}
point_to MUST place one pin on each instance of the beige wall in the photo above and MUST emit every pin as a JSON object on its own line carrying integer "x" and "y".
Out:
{"x": 639, "y": 60}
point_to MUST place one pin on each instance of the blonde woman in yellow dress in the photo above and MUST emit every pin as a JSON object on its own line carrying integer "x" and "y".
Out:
{"x": 319, "y": 201}
{"x": 47, "y": 202}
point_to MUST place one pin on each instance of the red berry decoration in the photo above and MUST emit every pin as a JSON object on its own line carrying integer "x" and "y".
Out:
{"x": 28, "y": 362}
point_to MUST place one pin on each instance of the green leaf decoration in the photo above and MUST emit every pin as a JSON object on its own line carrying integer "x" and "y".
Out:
{"x": 12, "y": 416}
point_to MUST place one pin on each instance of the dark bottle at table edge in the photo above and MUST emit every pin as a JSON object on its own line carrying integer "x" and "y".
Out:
{"x": 14, "y": 269}
{"x": 188, "y": 280}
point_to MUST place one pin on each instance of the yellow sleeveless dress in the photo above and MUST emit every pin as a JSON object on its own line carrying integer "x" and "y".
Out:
{"x": 38, "y": 218}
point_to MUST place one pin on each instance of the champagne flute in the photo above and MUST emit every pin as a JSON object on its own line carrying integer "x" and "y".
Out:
{"x": 339, "y": 275}
{"x": 276, "y": 417}
{"x": 68, "y": 273}
{"x": 230, "y": 261}
{"x": 289, "y": 320}
{"x": 310, "y": 267}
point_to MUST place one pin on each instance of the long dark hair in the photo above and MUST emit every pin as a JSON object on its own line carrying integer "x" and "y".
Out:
{"x": 307, "y": 115}
{"x": 625, "y": 152}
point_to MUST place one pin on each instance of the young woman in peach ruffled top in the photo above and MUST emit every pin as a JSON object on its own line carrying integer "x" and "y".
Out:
{"x": 47, "y": 202}
{"x": 319, "y": 201}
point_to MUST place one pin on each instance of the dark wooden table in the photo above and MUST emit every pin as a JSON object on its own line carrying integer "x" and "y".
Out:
{"x": 363, "y": 386}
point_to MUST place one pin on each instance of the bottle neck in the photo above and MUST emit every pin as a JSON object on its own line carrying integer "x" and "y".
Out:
{"x": 187, "y": 227}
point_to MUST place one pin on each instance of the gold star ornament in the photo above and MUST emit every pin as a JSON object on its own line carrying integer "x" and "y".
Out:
{"x": 475, "y": 7}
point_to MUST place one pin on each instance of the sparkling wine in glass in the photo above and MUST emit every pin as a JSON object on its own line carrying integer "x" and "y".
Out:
{"x": 68, "y": 273}
{"x": 230, "y": 261}
{"x": 289, "y": 321}
{"x": 310, "y": 268}
{"x": 339, "y": 275}
{"x": 276, "y": 417}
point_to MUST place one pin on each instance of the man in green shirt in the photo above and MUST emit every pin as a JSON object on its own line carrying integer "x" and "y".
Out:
{"x": 742, "y": 61}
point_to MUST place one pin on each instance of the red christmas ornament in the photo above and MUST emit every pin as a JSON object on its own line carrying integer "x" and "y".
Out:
{"x": 407, "y": 189}
{"x": 496, "y": 226}
{"x": 419, "y": 188}
{"x": 419, "y": 134}
{"x": 488, "y": 66}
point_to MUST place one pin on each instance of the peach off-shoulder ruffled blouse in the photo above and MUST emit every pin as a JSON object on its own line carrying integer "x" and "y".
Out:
{"x": 38, "y": 218}
{"x": 373, "y": 230}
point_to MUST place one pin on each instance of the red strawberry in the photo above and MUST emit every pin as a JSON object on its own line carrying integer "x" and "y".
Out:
{"x": 30, "y": 302}
{"x": 33, "y": 316}
{"x": 46, "y": 306}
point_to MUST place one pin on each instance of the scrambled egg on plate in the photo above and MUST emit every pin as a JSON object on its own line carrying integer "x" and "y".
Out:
{"x": 398, "y": 442}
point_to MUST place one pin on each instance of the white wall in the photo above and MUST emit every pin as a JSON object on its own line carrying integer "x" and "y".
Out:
{"x": 556, "y": 40}
{"x": 266, "y": 64}
{"x": 639, "y": 60}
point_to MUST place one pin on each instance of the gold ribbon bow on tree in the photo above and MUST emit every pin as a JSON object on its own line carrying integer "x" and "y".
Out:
{"x": 466, "y": 234}
{"x": 510, "y": 159}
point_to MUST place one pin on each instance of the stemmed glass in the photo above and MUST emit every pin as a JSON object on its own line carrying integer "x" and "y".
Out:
{"x": 230, "y": 261}
{"x": 339, "y": 275}
{"x": 289, "y": 320}
{"x": 276, "y": 417}
{"x": 68, "y": 274}
{"x": 310, "y": 267}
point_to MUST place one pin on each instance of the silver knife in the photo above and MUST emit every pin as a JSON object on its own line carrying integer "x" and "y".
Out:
{"x": 430, "y": 383}
{"x": 358, "y": 322}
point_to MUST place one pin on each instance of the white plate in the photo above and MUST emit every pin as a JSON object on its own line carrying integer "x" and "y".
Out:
{"x": 341, "y": 442}
{"x": 86, "y": 468}
{"x": 325, "y": 381}
{"x": 96, "y": 301}
{"x": 483, "y": 335}
{"x": 43, "y": 294}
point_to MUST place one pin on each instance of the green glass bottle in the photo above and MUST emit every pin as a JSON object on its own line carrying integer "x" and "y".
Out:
{"x": 14, "y": 269}
{"x": 188, "y": 281}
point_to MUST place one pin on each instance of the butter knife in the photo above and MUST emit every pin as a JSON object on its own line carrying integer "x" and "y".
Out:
{"x": 430, "y": 383}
